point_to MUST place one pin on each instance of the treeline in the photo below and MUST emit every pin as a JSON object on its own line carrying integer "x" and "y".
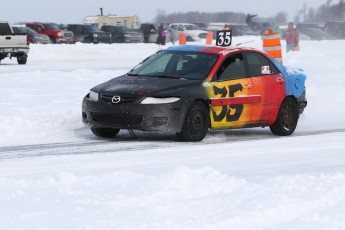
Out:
{"x": 227, "y": 16}
{"x": 326, "y": 12}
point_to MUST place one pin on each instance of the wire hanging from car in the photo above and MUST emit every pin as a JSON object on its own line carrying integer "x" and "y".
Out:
{"x": 244, "y": 43}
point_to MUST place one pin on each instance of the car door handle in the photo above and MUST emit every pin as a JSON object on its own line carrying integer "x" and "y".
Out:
{"x": 8, "y": 38}
{"x": 280, "y": 80}
{"x": 248, "y": 86}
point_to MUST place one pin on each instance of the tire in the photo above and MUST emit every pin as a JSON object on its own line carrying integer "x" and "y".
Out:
{"x": 196, "y": 123}
{"x": 87, "y": 40}
{"x": 105, "y": 132}
{"x": 287, "y": 118}
{"x": 22, "y": 59}
{"x": 52, "y": 40}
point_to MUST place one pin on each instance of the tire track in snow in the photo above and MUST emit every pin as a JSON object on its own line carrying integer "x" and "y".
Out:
{"x": 127, "y": 144}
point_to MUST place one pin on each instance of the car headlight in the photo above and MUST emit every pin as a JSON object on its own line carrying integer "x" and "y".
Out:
{"x": 157, "y": 100}
{"x": 93, "y": 96}
{"x": 95, "y": 35}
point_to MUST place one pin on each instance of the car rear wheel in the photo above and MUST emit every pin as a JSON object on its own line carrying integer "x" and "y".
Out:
{"x": 52, "y": 40}
{"x": 287, "y": 118}
{"x": 196, "y": 123}
{"x": 22, "y": 59}
{"x": 105, "y": 132}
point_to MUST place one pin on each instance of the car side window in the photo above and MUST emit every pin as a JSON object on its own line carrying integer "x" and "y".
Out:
{"x": 232, "y": 68}
{"x": 255, "y": 63}
{"x": 30, "y": 26}
{"x": 40, "y": 28}
{"x": 79, "y": 29}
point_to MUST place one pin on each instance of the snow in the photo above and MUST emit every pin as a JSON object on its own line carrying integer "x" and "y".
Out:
{"x": 54, "y": 174}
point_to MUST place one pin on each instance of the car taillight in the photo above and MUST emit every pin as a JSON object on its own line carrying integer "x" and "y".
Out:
{"x": 27, "y": 40}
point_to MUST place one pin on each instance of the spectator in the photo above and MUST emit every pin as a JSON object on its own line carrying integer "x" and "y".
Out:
{"x": 292, "y": 38}
{"x": 161, "y": 35}
{"x": 226, "y": 27}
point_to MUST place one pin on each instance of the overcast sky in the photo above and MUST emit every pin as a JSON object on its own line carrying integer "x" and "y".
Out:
{"x": 73, "y": 11}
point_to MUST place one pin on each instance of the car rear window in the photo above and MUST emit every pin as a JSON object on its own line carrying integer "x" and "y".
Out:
{"x": 5, "y": 29}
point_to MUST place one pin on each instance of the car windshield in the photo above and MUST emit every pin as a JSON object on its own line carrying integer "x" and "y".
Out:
{"x": 18, "y": 29}
{"x": 191, "y": 27}
{"x": 22, "y": 29}
{"x": 179, "y": 65}
{"x": 52, "y": 26}
{"x": 91, "y": 28}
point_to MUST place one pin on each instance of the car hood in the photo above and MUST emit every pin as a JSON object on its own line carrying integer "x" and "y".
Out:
{"x": 148, "y": 86}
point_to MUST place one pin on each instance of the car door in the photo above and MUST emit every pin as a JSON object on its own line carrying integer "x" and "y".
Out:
{"x": 268, "y": 84}
{"x": 231, "y": 94}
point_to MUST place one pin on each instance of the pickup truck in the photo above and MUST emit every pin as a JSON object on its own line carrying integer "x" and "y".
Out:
{"x": 121, "y": 34}
{"x": 55, "y": 33}
{"x": 13, "y": 44}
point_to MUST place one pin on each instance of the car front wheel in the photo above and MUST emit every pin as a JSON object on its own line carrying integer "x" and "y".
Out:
{"x": 287, "y": 118}
{"x": 196, "y": 123}
{"x": 105, "y": 132}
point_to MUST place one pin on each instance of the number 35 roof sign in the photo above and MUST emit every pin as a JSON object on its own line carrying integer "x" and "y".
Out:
{"x": 224, "y": 38}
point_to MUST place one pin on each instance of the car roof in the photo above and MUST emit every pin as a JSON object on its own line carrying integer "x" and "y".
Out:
{"x": 210, "y": 49}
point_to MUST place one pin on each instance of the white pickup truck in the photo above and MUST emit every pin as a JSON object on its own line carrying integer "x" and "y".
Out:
{"x": 13, "y": 44}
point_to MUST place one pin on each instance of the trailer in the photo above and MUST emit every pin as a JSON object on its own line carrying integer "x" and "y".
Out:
{"x": 132, "y": 22}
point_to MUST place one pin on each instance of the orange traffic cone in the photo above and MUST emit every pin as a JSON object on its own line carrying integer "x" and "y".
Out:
{"x": 209, "y": 38}
{"x": 182, "y": 39}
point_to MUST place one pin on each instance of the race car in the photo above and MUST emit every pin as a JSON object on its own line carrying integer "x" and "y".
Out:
{"x": 190, "y": 90}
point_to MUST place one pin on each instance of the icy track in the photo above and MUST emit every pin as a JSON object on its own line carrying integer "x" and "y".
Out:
{"x": 54, "y": 174}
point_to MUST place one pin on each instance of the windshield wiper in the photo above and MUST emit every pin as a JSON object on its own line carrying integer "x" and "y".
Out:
{"x": 133, "y": 74}
{"x": 167, "y": 76}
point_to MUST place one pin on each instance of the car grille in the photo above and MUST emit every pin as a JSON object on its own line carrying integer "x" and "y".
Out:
{"x": 115, "y": 119}
{"x": 124, "y": 98}
{"x": 104, "y": 36}
{"x": 67, "y": 35}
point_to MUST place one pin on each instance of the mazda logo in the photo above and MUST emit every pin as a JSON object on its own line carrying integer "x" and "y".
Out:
{"x": 116, "y": 99}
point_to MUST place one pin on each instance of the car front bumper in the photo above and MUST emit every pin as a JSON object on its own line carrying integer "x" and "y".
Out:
{"x": 133, "y": 115}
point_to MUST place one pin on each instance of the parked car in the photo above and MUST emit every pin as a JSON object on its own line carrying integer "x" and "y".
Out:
{"x": 312, "y": 31}
{"x": 12, "y": 44}
{"x": 55, "y": 33}
{"x": 150, "y": 32}
{"x": 241, "y": 30}
{"x": 121, "y": 34}
{"x": 193, "y": 33}
{"x": 33, "y": 35}
{"x": 335, "y": 29}
{"x": 201, "y": 25}
{"x": 191, "y": 89}
{"x": 237, "y": 29}
{"x": 260, "y": 26}
{"x": 89, "y": 34}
